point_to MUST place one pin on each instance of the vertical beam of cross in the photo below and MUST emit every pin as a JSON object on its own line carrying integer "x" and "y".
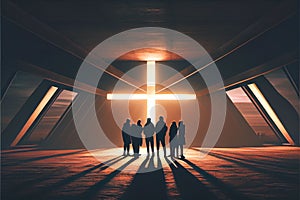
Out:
{"x": 151, "y": 90}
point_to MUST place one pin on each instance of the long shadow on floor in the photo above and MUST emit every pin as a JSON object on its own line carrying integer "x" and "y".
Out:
{"x": 266, "y": 163}
{"x": 230, "y": 192}
{"x": 274, "y": 174}
{"x": 92, "y": 192}
{"x": 47, "y": 190}
{"x": 187, "y": 184}
{"x": 13, "y": 151}
{"x": 43, "y": 157}
{"x": 148, "y": 183}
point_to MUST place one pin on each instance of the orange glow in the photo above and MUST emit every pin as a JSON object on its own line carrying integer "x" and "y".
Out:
{"x": 35, "y": 114}
{"x": 253, "y": 87}
{"x": 151, "y": 97}
{"x": 146, "y": 54}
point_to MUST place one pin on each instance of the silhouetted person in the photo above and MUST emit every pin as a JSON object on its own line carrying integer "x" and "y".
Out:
{"x": 161, "y": 129}
{"x": 126, "y": 129}
{"x": 149, "y": 131}
{"x": 173, "y": 138}
{"x": 181, "y": 138}
{"x": 136, "y": 137}
{"x": 140, "y": 128}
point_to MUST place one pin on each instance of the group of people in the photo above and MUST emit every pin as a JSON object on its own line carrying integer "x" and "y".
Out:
{"x": 132, "y": 134}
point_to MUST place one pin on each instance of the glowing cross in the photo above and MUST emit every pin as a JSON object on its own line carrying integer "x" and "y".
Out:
{"x": 151, "y": 97}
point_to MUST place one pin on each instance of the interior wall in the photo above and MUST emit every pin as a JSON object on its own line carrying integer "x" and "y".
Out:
{"x": 236, "y": 131}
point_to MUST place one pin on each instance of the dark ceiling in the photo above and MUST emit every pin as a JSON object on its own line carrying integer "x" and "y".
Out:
{"x": 245, "y": 38}
{"x": 212, "y": 22}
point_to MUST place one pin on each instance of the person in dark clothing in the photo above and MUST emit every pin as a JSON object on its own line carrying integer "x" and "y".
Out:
{"x": 126, "y": 136}
{"x": 140, "y": 128}
{"x": 173, "y": 138}
{"x": 136, "y": 137}
{"x": 161, "y": 129}
{"x": 181, "y": 138}
{"x": 149, "y": 131}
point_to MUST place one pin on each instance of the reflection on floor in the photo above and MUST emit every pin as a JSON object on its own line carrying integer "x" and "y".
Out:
{"x": 231, "y": 173}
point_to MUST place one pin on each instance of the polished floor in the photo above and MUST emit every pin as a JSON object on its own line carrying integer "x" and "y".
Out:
{"x": 225, "y": 173}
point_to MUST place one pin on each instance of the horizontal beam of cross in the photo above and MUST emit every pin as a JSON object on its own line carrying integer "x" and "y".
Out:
{"x": 146, "y": 96}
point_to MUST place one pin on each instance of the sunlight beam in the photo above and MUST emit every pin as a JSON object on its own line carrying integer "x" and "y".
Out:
{"x": 253, "y": 87}
{"x": 35, "y": 114}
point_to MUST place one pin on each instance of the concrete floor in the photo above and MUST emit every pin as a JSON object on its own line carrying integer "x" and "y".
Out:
{"x": 225, "y": 173}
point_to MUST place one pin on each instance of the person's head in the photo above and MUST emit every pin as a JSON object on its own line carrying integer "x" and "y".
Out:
{"x": 180, "y": 123}
{"x": 161, "y": 118}
{"x": 173, "y": 123}
{"x": 139, "y": 122}
{"x": 148, "y": 120}
{"x": 127, "y": 120}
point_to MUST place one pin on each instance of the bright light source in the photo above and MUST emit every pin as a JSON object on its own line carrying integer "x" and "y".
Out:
{"x": 151, "y": 97}
{"x": 253, "y": 87}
